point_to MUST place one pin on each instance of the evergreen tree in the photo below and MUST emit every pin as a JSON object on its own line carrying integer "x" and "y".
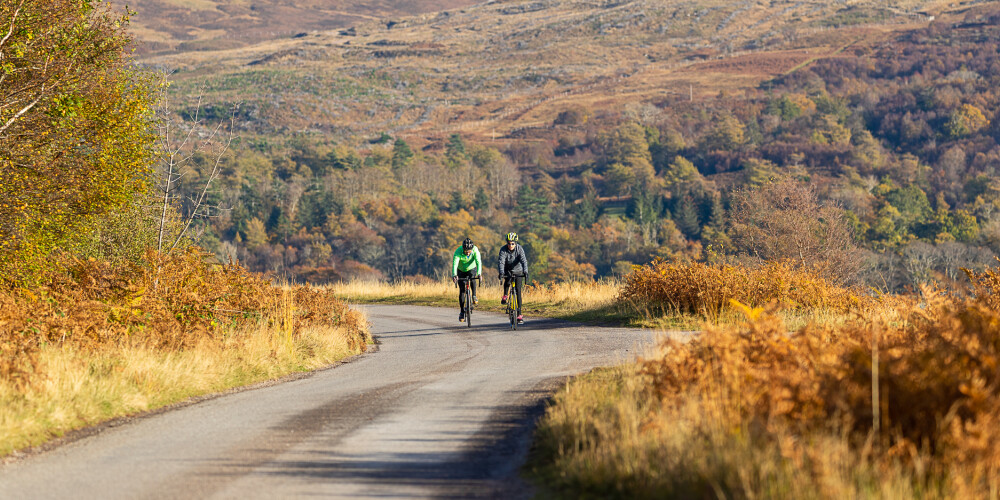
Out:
{"x": 587, "y": 211}
{"x": 716, "y": 213}
{"x": 531, "y": 211}
{"x": 315, "y": 208}
{"x": 455, "y": 151}
{"x": 343, "y": 158}
{"x": 401, "y": 155}
{"x": 686, "y": 217}
{"x": 279, "y": 224}
{"x": 644, "y": 207}
{"x": 481, "y": 200}
{"x": 681, "y": 174}
{"x": 457, "y": 202}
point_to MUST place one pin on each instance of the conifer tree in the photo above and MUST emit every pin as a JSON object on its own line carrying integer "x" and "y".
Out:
{"x": 686, "y": 217}
{"x": 531, "y": 211}
{"x": 455, "y": 151}
{"x": 587, "y": 211}
{"x": 401, "y": 155}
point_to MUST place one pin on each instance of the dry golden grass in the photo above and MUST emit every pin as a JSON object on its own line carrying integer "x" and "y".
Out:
{"x": 98, "y": 342}
{"x": 593, "y": 301}
{"x": 75, "y": 388}
{"x": 685, "y": 295}
{"x": 900, "y": 402}
{"x": 607, "y": 436}
{"x": 662, "y": 287}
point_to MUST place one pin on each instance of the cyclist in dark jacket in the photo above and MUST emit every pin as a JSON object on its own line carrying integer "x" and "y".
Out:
{"x": 512, "y": 265}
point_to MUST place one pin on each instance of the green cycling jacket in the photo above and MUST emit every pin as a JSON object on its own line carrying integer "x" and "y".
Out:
{"x": 462, "y": 262}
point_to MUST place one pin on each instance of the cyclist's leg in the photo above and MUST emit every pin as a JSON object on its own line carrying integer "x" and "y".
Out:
{"x": 518, "y": 286}
{"x": 461, "y": 300}
{"x": 475, "y": 286}
{"x": 506, "y": 285}
{"x": 461, "y": 290}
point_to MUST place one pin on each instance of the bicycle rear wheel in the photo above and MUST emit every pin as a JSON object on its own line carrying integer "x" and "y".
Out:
{"x": 468, "y": 305}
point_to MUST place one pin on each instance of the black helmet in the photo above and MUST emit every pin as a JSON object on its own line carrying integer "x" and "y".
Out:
{"x": 467, "y": 244}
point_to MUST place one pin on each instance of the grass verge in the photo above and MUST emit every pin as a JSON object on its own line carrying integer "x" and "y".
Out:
{"x": 607, "y": 436}
{"x": 660, "y": 296}
{"x": 76, "y": 388}
{"x": 96, "y": 341}
{"x": 899, "y": 404}
{"x": 583, "y": 302}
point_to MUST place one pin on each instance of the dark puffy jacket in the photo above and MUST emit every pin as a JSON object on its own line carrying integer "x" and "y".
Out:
{"x": 512, "y": 261}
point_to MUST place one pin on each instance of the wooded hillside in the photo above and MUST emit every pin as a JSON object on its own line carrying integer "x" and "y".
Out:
{"x": 887, "y": 147}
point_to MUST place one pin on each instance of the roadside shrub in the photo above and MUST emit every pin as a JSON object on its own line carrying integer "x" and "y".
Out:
{"x": 169, "y": 302}
{"x": 902, "y": 403}
{"x": 935, "y": 366}
{"x": 707, "y": 289}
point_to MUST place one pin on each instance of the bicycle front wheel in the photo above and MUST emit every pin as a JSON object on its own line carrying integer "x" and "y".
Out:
{"x": 512, "y": 312}
{"x": 468, "y": 308}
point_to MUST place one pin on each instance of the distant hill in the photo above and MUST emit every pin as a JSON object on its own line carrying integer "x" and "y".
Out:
{"x": 493, "y": 69}
{"x": 189, "y": 25}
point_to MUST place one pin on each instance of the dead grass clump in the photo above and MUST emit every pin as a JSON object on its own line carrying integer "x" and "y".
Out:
{"x": 580, "y": 294}
{"x": 179, "y": 303}
{"x": 706, "y": 289}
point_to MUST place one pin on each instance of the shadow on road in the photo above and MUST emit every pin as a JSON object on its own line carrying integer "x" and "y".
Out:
{"x": 486, "y": 467}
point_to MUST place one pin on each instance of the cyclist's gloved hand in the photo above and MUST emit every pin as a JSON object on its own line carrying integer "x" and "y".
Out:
{"x": 454, "y": 279}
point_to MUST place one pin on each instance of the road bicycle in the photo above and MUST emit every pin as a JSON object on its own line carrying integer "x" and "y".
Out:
{"x": 513, "y": 307}
{"x": 465, "y": 285}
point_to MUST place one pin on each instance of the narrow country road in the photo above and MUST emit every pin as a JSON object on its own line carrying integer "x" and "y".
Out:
{"x": 438, "y": 411}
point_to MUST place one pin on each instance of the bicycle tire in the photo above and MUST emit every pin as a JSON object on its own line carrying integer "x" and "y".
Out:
{"x": 468, "y": 305}
{"x": 512, "y": 304}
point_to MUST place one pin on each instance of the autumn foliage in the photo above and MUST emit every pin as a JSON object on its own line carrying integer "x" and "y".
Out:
{"x": 899, "y": 401}
{"x": 76, "y": 132}
{"x": 935, "y": 367}
{"x": 701, "y": 288}
{"x": 177, "y": 305}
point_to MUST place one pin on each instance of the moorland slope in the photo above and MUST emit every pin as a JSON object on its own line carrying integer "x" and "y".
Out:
{"x": 190, "y": 25}
{"x": 497, "y": 67}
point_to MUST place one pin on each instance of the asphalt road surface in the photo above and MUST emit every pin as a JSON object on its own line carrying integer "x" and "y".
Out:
{"x": 439, "y": 410}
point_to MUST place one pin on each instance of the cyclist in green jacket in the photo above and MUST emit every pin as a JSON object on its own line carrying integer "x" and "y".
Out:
{"x": 466, "y": 263}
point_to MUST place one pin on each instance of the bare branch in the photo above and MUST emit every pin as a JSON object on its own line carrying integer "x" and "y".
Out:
{"x": 216, "y": 169}
{"x": 22, "y": 112}
{"x": 13, "y": 20}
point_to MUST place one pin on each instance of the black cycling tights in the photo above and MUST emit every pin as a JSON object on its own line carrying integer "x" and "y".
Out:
{"x": 474, "y": 283}
{"x": 518, "y": 286}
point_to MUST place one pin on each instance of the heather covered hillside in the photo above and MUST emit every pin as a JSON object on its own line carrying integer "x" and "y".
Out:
{"x": 185, "y": 25}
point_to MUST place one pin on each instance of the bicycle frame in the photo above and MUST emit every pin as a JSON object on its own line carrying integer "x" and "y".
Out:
{"x": 512, "y": 304}
{"x": 465, "y": 284}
